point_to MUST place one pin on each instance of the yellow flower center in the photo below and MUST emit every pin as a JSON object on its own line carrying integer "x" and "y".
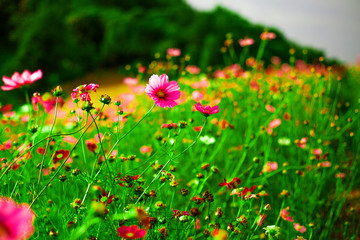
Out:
{"x": 130, "y": 234}
{"x": 160, "y": 94}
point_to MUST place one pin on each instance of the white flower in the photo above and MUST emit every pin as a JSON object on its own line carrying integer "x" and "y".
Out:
{"x": 207, "y": 140}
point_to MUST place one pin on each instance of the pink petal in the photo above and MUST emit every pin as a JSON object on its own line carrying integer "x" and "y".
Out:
{"x": 7, "y": 88}
{"x": 154, "y": 81}
{"x": 9, "y": 81}
{"x": 36, "y": 75}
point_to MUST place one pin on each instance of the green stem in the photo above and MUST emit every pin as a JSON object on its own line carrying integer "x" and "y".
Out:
{"x": 168, "y": 161}
{"x": 47, "y": 143}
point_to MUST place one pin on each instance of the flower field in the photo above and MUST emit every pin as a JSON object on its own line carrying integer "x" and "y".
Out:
{"x": 238, "y": 152}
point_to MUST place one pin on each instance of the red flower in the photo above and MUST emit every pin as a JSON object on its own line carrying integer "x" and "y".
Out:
{"x": 60, "y": 155}
{"x": 230, "y": 184}
{"x": 198, "y": 199}
{"x": 131, "y": 232}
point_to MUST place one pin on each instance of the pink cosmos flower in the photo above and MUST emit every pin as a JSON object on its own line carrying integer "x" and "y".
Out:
{"x": 174, "y": 52}
{"x": 285, "y": 215}
{"x": 16, "y": 221}
{"x": 299, "y": 228}
{"x": 207, "y": 110}
{"x": 132, "y": 232}
{"x": 246, "y": 42}
{"x": 17, "y": 80}
{"x": 163, "y": 92}
{"x": 267, "y": 36}
{"x": 82, "y": 92}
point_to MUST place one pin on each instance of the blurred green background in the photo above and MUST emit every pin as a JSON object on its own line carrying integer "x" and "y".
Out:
{"x": 67, "y": 39}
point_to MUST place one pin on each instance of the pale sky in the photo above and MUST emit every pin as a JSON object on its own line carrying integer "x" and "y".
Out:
{"x": 330, "y": 25}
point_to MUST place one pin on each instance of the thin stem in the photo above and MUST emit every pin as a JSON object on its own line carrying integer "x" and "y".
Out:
{"x": 168, "y": 161}
{"x": 63, "y": 163}
{"x": 47, "y": 143}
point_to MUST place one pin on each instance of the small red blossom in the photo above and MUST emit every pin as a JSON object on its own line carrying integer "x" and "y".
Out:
{"x": 170, "y": 126}
{"x": 60, "y": 155}
{"x": 230, "y": 184}
{"x": 131, "y": 232}
{"x": 199, "y": 200}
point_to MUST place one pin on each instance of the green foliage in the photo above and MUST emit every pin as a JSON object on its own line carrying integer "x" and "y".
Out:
{"x": 67, "y": 40}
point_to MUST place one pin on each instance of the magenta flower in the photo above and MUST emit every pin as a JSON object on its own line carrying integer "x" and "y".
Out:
{"x": 163, "y": 92}
{"x": 132, "y": 232}
{"x": 17, "y": 80}
{"x": 82, "y": 92}
{"x": 207, "y": 110}
{"x": 16, "y": 221}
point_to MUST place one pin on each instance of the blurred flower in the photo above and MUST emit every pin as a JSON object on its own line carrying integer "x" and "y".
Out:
{"x": 219, "y": 234}
{"x": 272, "y": 231}
{"x": 270, "y": 108}
{"x": 275, "y": 123}
{"x": 246, "y": 42}
{"x": 261, "y": 219}
{"x": 17, "y": 80}
{"x": 162, "y": 91}
{"x": 207, "y": 140}
{"x": 197, "y": 96}
{"x": 130, "y": 81}
{"x": 131, "y": 232}
{"x": 284, "y": 141}
{"x": 206, "y": 110}
{"x": 299, "y": 228}
{"x": 302, "y": 142}
{"x": 285, "y": 215}
{"x": 270, "y": 166}
{"x": 267, "y": 36}
{"x": 174, "y": 52}
{"x": 146, "y": 150}
{"x": 16, "y": 221}
{"x": 192, "y": 69}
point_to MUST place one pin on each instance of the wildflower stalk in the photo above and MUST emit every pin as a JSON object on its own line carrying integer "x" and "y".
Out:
{"x": 47, "y": 144}
{"x": 281, "y": 208}
{"x": 34, "y": 145}
{"x": 168, "y": 161}
{"x": 118, "y": 141}
{"x": 101, "y": 146}
{"x": 63, "y": 162}
{"x": 261, "y": 50}
{"x": 243, "y": 55}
